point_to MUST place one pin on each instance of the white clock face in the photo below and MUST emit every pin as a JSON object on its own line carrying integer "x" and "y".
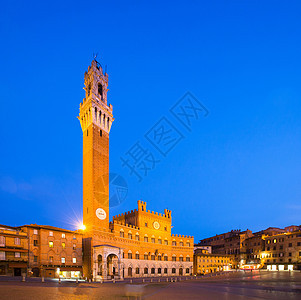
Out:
{"x": 156, "y": 225}
{"x": 100, "y": 214}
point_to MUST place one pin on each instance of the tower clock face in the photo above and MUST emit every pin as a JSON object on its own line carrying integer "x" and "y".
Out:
{"x": 156, "y": 225}
{"x": 100, "y": 214}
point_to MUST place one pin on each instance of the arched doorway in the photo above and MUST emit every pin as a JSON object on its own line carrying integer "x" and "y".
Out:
{"x": 181, "y": 271}
{"x": 112, "y": 265}
{"x": 99, "y": 261}
{"x": 130, "y": 272}
{"x": 35, "y": 272}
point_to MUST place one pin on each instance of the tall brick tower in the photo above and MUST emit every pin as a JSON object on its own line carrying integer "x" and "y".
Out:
{"x": 96, "y": 119}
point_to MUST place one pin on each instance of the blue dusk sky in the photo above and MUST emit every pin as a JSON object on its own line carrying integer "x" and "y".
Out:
{"x": 237, "y": 165}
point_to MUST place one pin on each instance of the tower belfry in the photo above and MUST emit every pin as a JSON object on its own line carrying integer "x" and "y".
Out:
{"x": 96, "y": 119}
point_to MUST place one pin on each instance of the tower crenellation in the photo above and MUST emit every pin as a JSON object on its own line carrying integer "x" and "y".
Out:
{"x": 95, "y": 109}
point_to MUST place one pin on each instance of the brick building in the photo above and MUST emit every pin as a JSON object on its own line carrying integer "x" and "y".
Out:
{"x": 53, "y": 251}
{"x": 229, "y": 243}
{"x": 272, "y": 248}
{"x": 253, "y": 247}
{"x": 136, "y": 243}
{"x": 13, "y": 251}
{"x": 283, "y": 251}
{"x": 205, "y": 262}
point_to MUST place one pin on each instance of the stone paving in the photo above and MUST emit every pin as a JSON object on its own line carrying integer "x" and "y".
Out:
{"x": 231, "y": 286}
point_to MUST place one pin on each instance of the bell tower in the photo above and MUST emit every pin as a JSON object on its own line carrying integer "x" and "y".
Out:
{"x": 96, "y": 119}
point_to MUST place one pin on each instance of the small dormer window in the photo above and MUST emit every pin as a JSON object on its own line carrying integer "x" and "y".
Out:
{"x": 100, "y": 90}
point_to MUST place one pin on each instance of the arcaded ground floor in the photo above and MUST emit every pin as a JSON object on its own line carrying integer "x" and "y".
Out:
{"x": 230, "y": 286}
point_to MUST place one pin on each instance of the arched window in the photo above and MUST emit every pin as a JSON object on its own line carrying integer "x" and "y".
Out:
{"x": 159, "y": 270}
{"x": 137, "y": 270}
{"x": 187, "y": 270}
{"x": 145, "y": 270}
{"x": 121, "y": 233}
{"x": 173, "y": 270}
{"x": 99, "y": 117}
{"x": 165, "y": 270}
{"x": 108, "y": 122}
{"x": 100, "y": 90}
{"x": 153, "y": 270}
{"x": 130, "y": 271}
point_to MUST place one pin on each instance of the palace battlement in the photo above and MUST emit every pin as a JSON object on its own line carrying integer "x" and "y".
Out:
{"x": 181, "y": 236}
{"x": 124, "y": 224}
{"x": 125, "y": 214}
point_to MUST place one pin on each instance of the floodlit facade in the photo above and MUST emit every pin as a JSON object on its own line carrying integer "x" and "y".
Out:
{"x": 283, "y": 251}
{"x": 206, "y": 263}
{"x": 53, "y": 252}
{"x": 137, "y": 243}
{"x": 274, "y": 249}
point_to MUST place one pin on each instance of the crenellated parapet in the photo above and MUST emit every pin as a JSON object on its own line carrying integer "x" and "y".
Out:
{"x": 181, "y": 236}
{"x": 124, "y": 225}
{"x": 94, "y": 108}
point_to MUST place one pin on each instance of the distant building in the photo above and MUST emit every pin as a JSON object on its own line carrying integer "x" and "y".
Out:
{"x": 13, "y": 251}
{"x": 282, "y": 251}
{"x": 205, "y": 262}
{"x": 229, "y": 243}
{"x": 207, "y": 248}
{"x": 272, "y": 248}
{"x": 252, "y": 247}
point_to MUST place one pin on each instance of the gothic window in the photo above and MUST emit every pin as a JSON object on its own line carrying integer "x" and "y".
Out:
{"x": 100, "y": 90}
